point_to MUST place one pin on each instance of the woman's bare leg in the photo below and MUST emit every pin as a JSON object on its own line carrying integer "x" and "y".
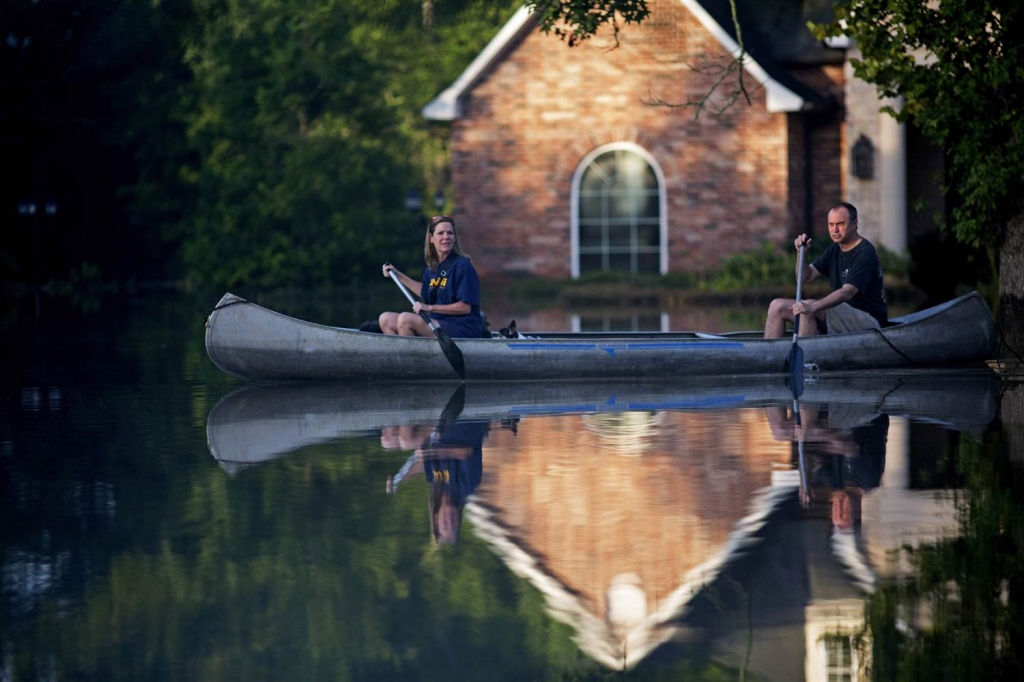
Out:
{"x": 388, "y": 323}
{"x": 411, "y": 324}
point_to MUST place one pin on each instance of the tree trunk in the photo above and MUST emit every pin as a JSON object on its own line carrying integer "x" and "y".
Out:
{"x": 1011, "y": 319}
{"x": 1011, "y": 286}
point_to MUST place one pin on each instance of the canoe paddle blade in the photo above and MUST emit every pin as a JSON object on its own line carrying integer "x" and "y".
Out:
{"x": 794, "y": 369}
{"x": 451, "y": 351}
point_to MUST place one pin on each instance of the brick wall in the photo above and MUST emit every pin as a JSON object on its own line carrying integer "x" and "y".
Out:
{"x": 531, "y": 120}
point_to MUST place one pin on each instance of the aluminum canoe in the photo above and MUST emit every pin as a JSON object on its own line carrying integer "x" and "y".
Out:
{"x": 252, "y": 342}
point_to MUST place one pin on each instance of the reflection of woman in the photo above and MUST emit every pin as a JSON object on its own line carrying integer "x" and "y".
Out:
{"x": 449, "y": 290}
{"x": 452, "y": 463}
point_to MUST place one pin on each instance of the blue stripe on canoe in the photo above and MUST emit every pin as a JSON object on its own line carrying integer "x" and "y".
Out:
{"x": 689, "y": 404}
{"x": 686, "y": 344}
{"x": 553, "y": 409}
{"x": 631, "y": 346}
{"x": 627, "y": 407}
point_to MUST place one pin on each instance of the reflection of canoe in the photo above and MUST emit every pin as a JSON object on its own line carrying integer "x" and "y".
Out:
{"x": 251, "y": 342}
{"x": 260, "y": 422}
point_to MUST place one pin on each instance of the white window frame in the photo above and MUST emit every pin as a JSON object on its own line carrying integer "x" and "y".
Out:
{"x": 574, "y": 202}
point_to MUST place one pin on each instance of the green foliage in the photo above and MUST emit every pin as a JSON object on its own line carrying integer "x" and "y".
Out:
{"x": 963, "y": 600}
{"x": 305, "y": 123}
{"x": 241, "y": 143}
{"x": 764, "y": 266}
{"x": 83, "y": 288}
{"x": 959, "y": 66}
{"x": 893, "y": 264}
{"x": 575, "y": 21}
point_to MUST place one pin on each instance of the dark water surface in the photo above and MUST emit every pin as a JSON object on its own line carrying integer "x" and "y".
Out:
{"x": 159, "y": 520}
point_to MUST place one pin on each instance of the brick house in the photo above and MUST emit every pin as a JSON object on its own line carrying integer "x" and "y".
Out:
{"x": 562, "y": 163}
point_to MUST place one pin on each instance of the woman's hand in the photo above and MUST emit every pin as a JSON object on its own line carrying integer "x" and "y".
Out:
{"x": 387, "y": 268}
{"x": 418, "y": 307}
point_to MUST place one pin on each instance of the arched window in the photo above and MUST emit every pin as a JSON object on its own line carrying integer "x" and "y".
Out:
{"x": 618, "y": 212}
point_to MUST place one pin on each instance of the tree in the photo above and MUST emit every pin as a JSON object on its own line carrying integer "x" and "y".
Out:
{"x": 959, "y": 67}
{"x": 305, "y": 123}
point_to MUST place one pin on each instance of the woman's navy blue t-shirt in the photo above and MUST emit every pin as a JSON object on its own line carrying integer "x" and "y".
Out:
{"x": 459, "y": 476}
{"x": 454, "y": 280}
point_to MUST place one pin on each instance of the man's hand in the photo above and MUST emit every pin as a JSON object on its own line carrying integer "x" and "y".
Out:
{"x": 805, "y": 307}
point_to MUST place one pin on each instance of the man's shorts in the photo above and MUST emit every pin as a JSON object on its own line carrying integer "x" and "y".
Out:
{"x": 845, "y": 318}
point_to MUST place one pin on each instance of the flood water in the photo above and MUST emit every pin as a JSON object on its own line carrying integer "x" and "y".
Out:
{"x": 159, "y": 520}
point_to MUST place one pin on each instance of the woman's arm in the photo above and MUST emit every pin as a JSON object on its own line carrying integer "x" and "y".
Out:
{"x": 410, "y": 284}
{"x": 457, "y": 308}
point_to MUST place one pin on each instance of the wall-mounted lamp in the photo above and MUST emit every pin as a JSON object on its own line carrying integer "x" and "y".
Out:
{"x": 863, "y": 158}
{"x": 413, "y": 201}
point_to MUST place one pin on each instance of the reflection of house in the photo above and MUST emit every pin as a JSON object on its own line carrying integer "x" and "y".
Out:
{"x": 560, "y": 164}
{"x": 620, "y": 521}
{"x": 654, "y": 534}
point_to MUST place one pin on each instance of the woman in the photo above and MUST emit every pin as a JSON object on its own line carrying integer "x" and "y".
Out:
{"x": 449, "y": 292}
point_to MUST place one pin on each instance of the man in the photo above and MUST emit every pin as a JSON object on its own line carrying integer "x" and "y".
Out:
{"x": 857, "y": 301}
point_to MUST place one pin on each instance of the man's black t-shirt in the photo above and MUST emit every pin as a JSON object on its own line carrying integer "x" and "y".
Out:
{"x": 860, "y": 267}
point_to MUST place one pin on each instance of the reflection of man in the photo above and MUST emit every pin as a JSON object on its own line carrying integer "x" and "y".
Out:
{"x": 452, "y": 462}
{"x": 845, "y": 454}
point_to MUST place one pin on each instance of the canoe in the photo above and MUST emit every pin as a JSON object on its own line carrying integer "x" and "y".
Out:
{"x": 249, "y": 341}
{"x": 260, "y": 422}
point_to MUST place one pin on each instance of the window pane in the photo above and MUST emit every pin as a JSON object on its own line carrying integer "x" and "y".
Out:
{"x": 631, "y": 170}
{"x": 648, "y": 235}
{"x": 590, "y": 262}
{"x": 591, "y": 324}
{"x": 650, "y": 180}
{"x": 623, "y": 205}
{"x": 648, "y": 323}
{"x": 590, "y": 236}
{"x": 647, "y": 206}
{"x": 604, "y": 165}
{"x": 620, "y": 262}
{"x": 620, "y": 324}
{"x": 590, "y": 205}
{"x": 619, "y": 235}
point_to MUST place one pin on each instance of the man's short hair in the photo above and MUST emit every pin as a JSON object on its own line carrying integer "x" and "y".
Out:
{"x": 850, "y": 209}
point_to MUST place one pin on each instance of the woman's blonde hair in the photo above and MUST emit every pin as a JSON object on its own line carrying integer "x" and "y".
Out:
{"x": 429, "y": 252}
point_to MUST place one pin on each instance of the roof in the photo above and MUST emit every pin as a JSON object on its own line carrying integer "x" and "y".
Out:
{"x": 447, "y": 106}
{"x": 623, "y": 648}
{"x": 774, "y": 36}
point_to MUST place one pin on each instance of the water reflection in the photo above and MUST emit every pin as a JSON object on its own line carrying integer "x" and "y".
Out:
{"x": 841, "y": 454}
{"x": 663, "y": 522}
{"x": 450, "y": 458}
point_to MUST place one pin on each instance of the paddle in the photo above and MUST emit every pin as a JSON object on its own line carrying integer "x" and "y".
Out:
{"x": 801, "y": 463}
{"x": 451, "y": 351}
{"x": 449, "y": 414}
{"x": 794, "y": 364}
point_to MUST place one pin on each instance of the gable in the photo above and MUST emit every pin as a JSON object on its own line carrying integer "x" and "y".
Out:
{"x": 784, "y": 92}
